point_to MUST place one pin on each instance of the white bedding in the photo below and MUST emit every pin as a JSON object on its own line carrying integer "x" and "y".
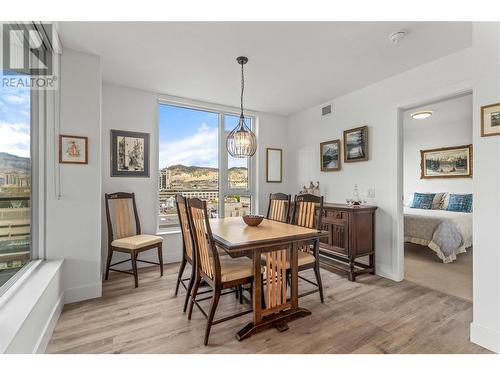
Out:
{"x": 420, "y": 226}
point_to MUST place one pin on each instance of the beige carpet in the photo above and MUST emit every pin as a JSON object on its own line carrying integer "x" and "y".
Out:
{"x": 423, "y": 267}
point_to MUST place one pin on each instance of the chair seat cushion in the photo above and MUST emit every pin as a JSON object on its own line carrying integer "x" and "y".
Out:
{"x": 234, "y": 269}
{"x": 136, "y": 242}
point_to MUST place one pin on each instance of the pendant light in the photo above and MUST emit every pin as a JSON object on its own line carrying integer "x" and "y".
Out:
{"x": 241, "y": 142}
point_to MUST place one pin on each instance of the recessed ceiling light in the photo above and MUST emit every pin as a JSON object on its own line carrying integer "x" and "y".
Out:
{"x": 421, "y": 115}
{"x": 397, "y": 36}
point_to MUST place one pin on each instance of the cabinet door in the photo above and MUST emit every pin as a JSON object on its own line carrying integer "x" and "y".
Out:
{"x": 337, "y": 235}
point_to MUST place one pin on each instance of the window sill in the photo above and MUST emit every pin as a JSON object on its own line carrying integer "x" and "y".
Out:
{"x": 176, "y": 230}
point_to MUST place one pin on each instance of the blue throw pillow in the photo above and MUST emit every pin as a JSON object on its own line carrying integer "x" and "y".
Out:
{"x": 460, "y": 203}
{"x": 423, "y": 200}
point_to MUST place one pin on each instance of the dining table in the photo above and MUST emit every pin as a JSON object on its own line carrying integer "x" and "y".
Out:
{"x": 273, "y": 247}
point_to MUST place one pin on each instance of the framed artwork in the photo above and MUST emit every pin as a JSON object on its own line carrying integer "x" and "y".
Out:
{"x": 73, "y": 149}
{"x": 329, "y": 153}
{"x": 446, "y": 162}
{"x": 490, "y": 120}
{"x": 129, "y": 154}
{"x": 274, "y": 165}
{"x": 356, "y": 144}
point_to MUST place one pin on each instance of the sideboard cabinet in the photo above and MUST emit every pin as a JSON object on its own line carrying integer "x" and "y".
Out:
{"x": 351, "y": 235}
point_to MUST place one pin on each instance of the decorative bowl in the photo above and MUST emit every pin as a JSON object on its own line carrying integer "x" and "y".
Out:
{"x": 253, "y": 220}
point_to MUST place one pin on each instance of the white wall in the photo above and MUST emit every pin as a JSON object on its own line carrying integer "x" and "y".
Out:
{"x": 450, "y": 125}
{"x": 73, "y": 223}
{"x": 375, "y": 106}
{"x": 485, "y": 329}
{"x": 132, "y": 109}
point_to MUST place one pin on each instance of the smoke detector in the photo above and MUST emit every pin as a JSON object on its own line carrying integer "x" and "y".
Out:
{"x": 397, "y": 36}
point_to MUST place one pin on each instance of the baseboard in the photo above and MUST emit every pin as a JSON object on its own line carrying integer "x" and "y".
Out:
{"x": 485, "y": 337}
{"x": 46, "y": 334}
{"x": 83, "y": 293}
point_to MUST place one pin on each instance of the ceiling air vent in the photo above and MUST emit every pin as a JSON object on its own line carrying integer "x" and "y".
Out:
{"x": 326, "y": 110}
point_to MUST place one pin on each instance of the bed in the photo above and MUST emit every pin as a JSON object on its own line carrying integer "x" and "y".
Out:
{"x": 447, "y": 233}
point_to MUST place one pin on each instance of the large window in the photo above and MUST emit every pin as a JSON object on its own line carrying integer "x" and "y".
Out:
{"x": 194, "y": 162}
{"x": 15, "y": 179}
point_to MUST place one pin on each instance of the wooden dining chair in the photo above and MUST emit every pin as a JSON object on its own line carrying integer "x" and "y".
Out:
{"x": 220, "y": 273}
{"x": 279, "y": 207}
{"x": 124, "y": 234}
{"x": 304, "y": 214}
{"x": 187, "y": 248}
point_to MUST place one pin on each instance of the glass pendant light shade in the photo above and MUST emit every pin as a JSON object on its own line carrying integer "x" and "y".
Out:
{"x": 241, "y": 142}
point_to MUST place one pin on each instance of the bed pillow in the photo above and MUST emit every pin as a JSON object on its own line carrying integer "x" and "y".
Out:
{"x": 460, "y": 203}
{"x": 423, "y": 200}
{"x": 437, "y": 203}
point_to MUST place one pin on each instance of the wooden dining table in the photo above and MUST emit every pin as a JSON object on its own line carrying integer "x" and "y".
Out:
{"x": 275, "y": 246}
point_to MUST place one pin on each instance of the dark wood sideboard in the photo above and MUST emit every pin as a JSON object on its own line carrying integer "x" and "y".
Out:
{"x": 351, "y": 235}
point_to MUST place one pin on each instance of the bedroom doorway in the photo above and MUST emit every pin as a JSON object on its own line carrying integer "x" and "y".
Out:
{"x": 436, "y": 140}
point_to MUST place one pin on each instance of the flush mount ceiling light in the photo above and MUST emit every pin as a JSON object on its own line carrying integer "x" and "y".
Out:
{"x": 241, "y": 142}
{"x": 397, "y": 36}
{"x": 421, "y": 115}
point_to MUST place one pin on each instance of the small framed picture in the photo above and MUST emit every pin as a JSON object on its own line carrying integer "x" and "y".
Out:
{"x": 129, "y": 154}
{"x": 490, "y": 120}
{"x": 274, "y": 165}
{"x": 329, "y": 153}
{"x": 73, "y": 149}
{"x": 446, "y": 162}
{"x": 356, "y": 144}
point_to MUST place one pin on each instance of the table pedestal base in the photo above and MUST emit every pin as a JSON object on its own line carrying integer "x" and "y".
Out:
{"x": 278, "y": 320}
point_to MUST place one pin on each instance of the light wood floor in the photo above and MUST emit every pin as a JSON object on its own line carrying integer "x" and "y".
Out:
{"x": 372, "y": 315}
{"x": 423, "y": 267}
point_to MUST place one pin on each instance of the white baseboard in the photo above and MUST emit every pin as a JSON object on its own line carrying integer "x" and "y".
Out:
{"x": 486, "y": 337}
{"x": 46, "y": 334}
{"x": 82, "y": 293}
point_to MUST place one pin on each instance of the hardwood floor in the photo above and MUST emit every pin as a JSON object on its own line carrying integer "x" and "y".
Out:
{"x": 372, "y": 315}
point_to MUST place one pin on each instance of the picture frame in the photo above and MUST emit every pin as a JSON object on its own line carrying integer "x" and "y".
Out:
{"x": 274, "y": 165}
{"x": 490, "y": 120}
{"x": 129, "y": 154}
{"x": 356, "y": 144}
{"x": 73, "y": 149}
{"x": 446, "y": 162}
{"x": 329, "y": 156}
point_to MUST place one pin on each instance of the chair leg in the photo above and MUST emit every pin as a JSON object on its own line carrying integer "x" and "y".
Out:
{"x": 211, "y": 314}
{"x": 318, "y": 281}
{"x": 240, "y": 292}
{"x": 108, "y": 263}
{"x": 160, "y": 258}
{"x": 189, "y": 288}
{"x": 179, "y": 276}
{"x": 193, "y": 295}
{"x": 133, "y": 255}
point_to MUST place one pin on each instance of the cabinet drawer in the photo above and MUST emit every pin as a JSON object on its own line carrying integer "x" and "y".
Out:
{"x": 336, "y": 214}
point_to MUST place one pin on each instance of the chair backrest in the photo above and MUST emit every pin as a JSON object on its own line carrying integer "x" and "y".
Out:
{"x": 279, "y": 207}
{"x": 207, "y": 258}
{"x": 121, "y": 215}
{"x": 187, "y": 238}
{"x": 304, "y": 211}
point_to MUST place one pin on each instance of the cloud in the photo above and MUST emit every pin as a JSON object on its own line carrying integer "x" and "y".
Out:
{"x": 199, "y": 149}
{"x": 15, "y": 139}
{"x": 16, "y": 99}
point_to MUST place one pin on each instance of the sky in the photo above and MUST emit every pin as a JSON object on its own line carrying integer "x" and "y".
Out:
{"x": 190, "y": 137}
{"x": 14, "y": 120}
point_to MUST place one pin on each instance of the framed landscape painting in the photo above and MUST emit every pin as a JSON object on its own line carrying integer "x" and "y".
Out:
{"x": 129, "y": 154}
{"x": 356, "y": 144}
{"x": 73, "y": 149}
{"x": 490, "y": 120}
{"x": 446, "y": 162}
{"x": 329, "y": 153}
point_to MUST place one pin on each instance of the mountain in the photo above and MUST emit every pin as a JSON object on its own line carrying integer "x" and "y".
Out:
{"x": 13, "y": 163}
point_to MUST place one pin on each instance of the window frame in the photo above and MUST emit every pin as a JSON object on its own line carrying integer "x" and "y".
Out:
{"x": 223, "y": 187}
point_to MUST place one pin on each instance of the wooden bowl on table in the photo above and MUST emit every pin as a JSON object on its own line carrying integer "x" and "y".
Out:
{"x": 253, "y": 220}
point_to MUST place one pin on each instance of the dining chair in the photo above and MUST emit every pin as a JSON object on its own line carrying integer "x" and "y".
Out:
{"x": 279, "y": 207}
{"x": 187, "y": 248}
{"x": 304, "y": 214}
{"x": 220, "y": 273}
{"x": 124, "y": 234}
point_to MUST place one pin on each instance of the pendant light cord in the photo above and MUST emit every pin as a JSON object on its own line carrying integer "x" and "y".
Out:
{"x": 242, "y": 89}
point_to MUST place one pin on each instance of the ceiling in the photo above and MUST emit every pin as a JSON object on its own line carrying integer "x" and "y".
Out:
{"x": 453, "y": 110}
{"x": 292, "y": 65}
